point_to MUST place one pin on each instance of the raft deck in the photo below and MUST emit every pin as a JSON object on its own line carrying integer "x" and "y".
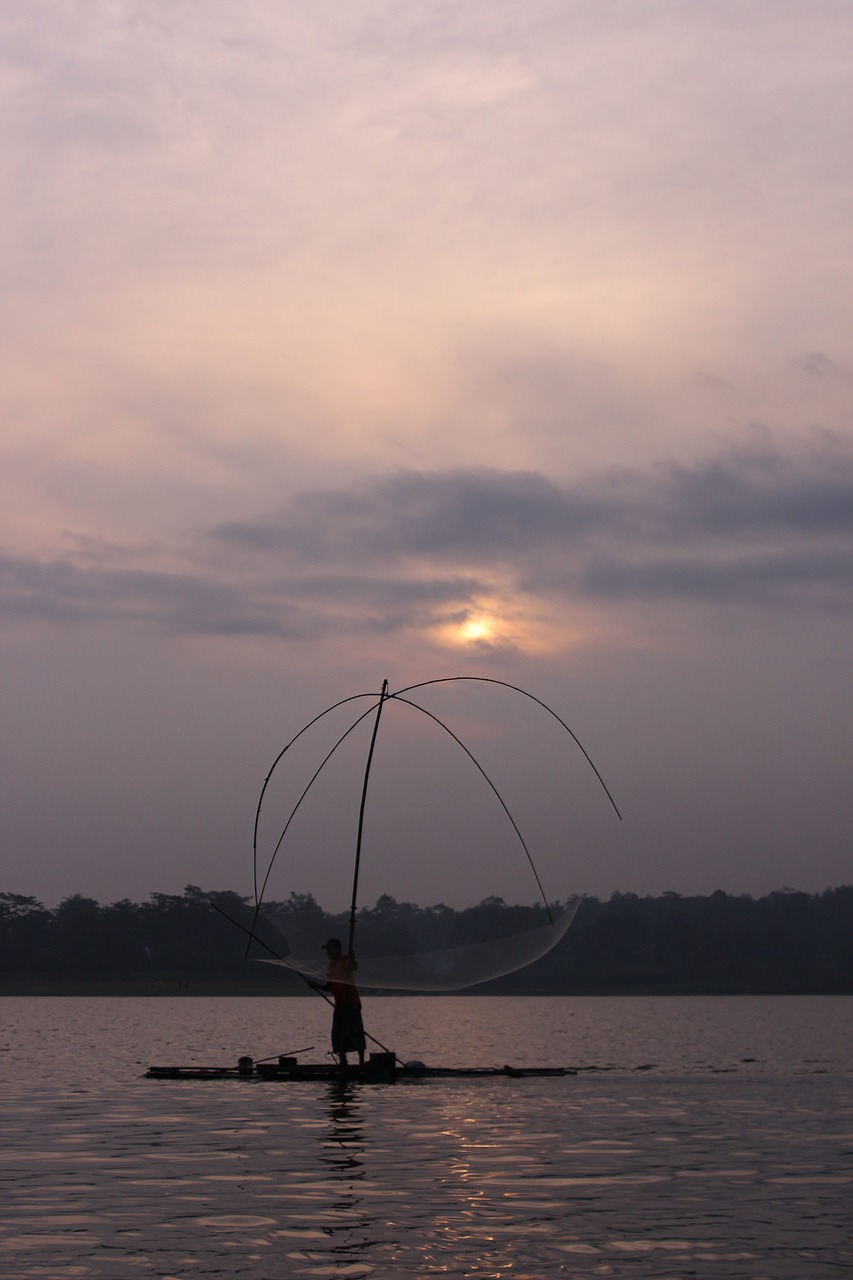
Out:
{"x": 379, "y": 1069}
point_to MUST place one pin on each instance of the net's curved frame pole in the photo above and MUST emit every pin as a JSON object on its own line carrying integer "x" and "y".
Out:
{"x": 305, "y": 791}
{"x": 342, "y": 702}
{"x": 398, "y": 698}
{"x": 383, "y": 697}
{"x": 260, "y": 895}
{"x": 517, "y": 689}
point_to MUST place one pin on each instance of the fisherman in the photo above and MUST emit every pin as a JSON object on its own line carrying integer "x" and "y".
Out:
{"x": 347, "y": 1028}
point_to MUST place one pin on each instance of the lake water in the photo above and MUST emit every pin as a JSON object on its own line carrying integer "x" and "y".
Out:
{"x": 704, "y": 1137}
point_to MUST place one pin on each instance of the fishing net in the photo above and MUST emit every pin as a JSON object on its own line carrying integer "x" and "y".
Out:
{"x": 402, "y": 947}
{"x": 420, "y": 966}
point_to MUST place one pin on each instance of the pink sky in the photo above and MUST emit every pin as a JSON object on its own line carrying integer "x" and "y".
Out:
{"x": 345, "y": 342}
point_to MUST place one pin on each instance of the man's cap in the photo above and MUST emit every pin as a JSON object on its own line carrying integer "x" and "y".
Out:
{"x": 333, "y": 942}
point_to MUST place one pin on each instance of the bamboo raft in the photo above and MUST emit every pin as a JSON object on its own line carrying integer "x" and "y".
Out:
{"x": 380, "y": 1068}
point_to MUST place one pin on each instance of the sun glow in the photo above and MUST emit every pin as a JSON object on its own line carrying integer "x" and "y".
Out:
{"x": 519, "y": 626}
{"x": 474, "y": 629}
{"x": 480, "y": 629}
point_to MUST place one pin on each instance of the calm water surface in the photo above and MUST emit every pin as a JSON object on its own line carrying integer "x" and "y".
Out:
{"x": 708, "y": 1137}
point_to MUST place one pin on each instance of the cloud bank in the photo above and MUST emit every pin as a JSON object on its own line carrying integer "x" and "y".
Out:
{"x": 758, "y": 526}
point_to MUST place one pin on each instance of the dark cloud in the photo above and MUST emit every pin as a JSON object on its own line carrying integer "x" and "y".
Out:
{"x": 819, "y": 365}
{"x": 755, "y": 490}
{"x": 435, "y": 513}
{"x": 300, "y": 608}
{"x": 758, "y": 522}
{"x": 816, "y": 580}
{"x": 60, "y": 591}
{"x": 759, "y": 525}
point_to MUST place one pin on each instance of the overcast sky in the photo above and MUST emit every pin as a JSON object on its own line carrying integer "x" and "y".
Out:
{"x": 352, "y": 342}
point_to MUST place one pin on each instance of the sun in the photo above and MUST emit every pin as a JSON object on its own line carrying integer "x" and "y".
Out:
{"x": 471, "y": 629}
{"x": 515, "y": 626}
{"x": 479, "y": 629}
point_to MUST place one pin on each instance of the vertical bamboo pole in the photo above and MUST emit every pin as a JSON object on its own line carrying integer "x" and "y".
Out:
{"x": 382, "y": 698}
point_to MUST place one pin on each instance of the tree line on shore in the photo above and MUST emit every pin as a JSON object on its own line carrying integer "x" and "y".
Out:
{"x": 787, "y": 942}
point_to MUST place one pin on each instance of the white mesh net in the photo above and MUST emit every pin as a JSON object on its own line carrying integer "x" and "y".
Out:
{"x": 417, "y": 967}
